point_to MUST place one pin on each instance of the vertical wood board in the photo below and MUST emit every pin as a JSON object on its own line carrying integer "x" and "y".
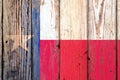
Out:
{"x": 73, "y": 32}
{"x": 49, "y": 39}
{"x": 102, "y": 40}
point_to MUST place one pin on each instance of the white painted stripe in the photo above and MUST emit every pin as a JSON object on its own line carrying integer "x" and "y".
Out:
{"x": 48, "y": 26}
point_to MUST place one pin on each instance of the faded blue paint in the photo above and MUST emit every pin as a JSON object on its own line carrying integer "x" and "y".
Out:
{"x": 36, "y": 38}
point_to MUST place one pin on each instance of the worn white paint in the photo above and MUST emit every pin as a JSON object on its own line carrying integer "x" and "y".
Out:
{"x": 48, "y": 25}
{"x": 102, "y": 19}
{"x": 73, "y": 19}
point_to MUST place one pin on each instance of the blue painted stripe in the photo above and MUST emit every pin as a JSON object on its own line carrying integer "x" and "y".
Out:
{"x": 36, "y": 39}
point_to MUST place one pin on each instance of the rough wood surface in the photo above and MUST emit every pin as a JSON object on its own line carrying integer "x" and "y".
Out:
{"x": 73, "y": 29}
{"x": 26, "y": 30}
{"x": 17, "y": 32}
{"x": 0, "y": 39}
{"x": 102, "y": 29}
{"x": 49, "y": 40}
{"x": 11, "y": 58}
{"x": 49, "y": 19}
{"x": 102, "y": 19}
{"x": 73, "y": 19}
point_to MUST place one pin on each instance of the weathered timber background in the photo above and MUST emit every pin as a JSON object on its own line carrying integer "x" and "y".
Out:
{"x": 88, "y": 34}
{"x": 19, "y": 39}
{"x": 59, "y": 39}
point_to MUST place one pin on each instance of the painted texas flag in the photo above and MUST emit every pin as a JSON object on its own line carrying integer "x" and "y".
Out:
{"x": 78, "y": 41}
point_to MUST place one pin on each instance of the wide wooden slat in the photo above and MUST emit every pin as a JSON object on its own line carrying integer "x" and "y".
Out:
{"x": 0, "y": 39}
{"x": 102, "y": 40}
{"x": 17, "y": 16}
{"x": 11, "y": 67}
{"x": 49, "y": 40}
{"x": 36, "y": 40}
{"x": 73, "y": 39}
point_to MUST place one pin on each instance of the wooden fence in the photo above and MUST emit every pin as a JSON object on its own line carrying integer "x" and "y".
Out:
{"x": 59, "y": 39}
{"x": 19, "y": 39}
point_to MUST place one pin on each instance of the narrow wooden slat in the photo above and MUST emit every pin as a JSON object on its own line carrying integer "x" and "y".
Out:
{"x": 118, "y": 37}
{"x": 102, "y": 40}
{"x": 49, "y": 40}
{"x": 36, "y": 40}
{"x": 73, "y": 39}
{"x": 0, "y": 39}
{"x": 26, "y": 30}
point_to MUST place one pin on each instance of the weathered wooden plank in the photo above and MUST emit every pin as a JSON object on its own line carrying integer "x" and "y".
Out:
{"x": 26, "y": 30}
{"x": 102, "y": 40}
{"x": 17, "y": 22}
{"x": 118, "y": 37}
{"x": 73, "y": 38}
{"x": 11, "y": 54}
{"x": 49, "y": 40}
{"x": 0, "y": 39}
{"x": 36, "y": 39}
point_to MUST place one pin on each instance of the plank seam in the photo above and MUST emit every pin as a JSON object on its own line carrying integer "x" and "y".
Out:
{"x": 31, "y": 44}
{"x": 2, "y": 64}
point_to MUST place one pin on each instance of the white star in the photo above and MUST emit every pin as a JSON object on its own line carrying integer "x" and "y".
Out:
{"x": 20, "y": 40}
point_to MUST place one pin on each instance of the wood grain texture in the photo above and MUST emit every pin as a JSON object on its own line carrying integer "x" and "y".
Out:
{"x": 0, "y": 39}
{"x": 73, "y": 32}
{"x": 26, "y": 65}
{"x": 49, "y": 19}
{"x": 36, "y": 39}
{"x": 102, "y": 19}
{"x": 17, "y": 16}
{"x": 11, "y": 58}
{"x": 49, "y": 40}
{"x": 102, "y": 40}
{"x": 73, "y": 19}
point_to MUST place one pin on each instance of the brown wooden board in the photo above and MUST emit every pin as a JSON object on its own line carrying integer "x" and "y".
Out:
{"x": 17, "y": 35}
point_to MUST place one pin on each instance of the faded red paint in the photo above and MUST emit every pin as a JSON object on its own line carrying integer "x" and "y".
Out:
{"x": 49, "y": 60}
{"x": 73, "y": 60}
{"x": 73, "y": 65}
{"x": 102, "y": 60}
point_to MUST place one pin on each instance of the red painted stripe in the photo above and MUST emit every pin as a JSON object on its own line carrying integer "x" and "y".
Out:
{"x": 73, "y": 56}
{"x": 49, "y": 60}
{"x": 102, "y": 60}
{"x": 118, "y": 60}
{"x": 73, "y": 60}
